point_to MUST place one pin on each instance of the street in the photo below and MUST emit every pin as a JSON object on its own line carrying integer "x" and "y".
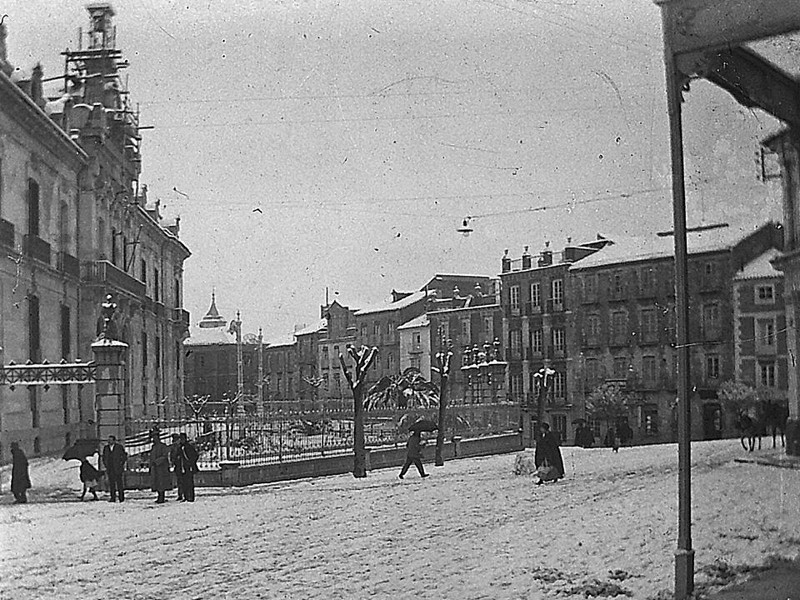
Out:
{"x": 472, "y": 530}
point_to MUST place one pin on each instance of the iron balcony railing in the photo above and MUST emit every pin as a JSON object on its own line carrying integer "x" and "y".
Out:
{"x": 103, "y": 272}
{"x": 36, "y": 247}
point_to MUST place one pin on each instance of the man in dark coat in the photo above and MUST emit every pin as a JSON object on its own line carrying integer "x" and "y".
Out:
{"x": 20, "y": 479}
{"x": 114, "y": 458}
{"x": 413, "y": 455}
{"x": 174, "y": 449}
{"x": 160, "y": 477}
{"x": 186, "y": 467}
{"x": 549, "y": 454}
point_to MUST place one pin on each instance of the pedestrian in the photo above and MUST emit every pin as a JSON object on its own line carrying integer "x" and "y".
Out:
{"x": 187, "y": 463}
{"x": 160, "y": 477}
{"x": 548, "y": 455}
{"x": 114, "y": 458}
{"x": 20, "y": 479}
{"x": 611, "y": 439}
{"x": 625, "y": 433}
{"x": 90, "y": 478}
{"x": 414, "y": 454}
{"x": 174, "y": 450}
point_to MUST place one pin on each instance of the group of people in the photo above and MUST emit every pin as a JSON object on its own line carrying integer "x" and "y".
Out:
{"x": 179, "y": 458}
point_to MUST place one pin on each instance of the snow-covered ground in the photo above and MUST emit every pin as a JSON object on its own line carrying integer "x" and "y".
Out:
{"x": 472, "y": 530}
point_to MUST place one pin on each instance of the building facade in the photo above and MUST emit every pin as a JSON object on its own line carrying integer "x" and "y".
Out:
{"x": 80, "y": 227}
{"x": 624, "y": 329}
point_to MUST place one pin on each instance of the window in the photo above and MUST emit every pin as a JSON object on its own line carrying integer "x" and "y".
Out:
{"x": 620, "y": 367}
{"x": 389, "y": 328}
{"x": 390, "y": 362}
{"x": 337, "y": 381}
{"x": 65, "y": 403}
{"x": 415, "y": 362}
{"x": 465, "y": 331}
{"x": 324, "y": 380}
{"x": 765, "y": 294}
{"x": 158, "y": 353}
{"x": 536, "y": 295}
{"x": 376, "y": 328}
{"x": 766, "y": 335}
{"x": 649, "y": 325}
{"x": 593, "y": 329}
{"x": 711, "y": 324}
{"x": 33, "y": 401}
{"x": 647, "y": 280}
{"x": 33, "y": 208}
{"x": 66, "y": 337}
{"x": 536, "y": 341}
{"x": 712, "y": 366}
{"x": 649, "y": 372}
{"x": 515, "y": 340}
{"x": 557, "y": 289}
{"x": 156, "y": 285}
{"x": 515, "y": 382}
{"x": 143, "y": 270}
{"x": 63, "y": 227}
{"x": 364, "y": 331}
{"x": 590, "y": 288}
{"x": 326, "y": 357}
{"x": 619, "y": 324}
{"x": 710, "y": 269}
{"x": 592, "y": 374}
{"x": 144, "y": 352}
{"x": 650, "y": 420}
{"x": 514, "y": 296}
{"x": 767, "y": 374}
{"x": 558, "y": 340}
{"x": 444, "y": 330}
{"x": 488, "y": 329}
{"x": 617, "y": 285}
{"x": 34, "y": 330}
{"x": 558, "y": 386}
{"x": 417, "y": 339}
{"x": 560, "y": 427}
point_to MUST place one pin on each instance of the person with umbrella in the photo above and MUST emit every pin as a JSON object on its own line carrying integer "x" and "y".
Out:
{"x": 90, "y": 478}
{"x": 114, "y": 458}
{"x": 548, "y": 456}
{"x": 414, "y": 446}
{"x": 20, "y": 479}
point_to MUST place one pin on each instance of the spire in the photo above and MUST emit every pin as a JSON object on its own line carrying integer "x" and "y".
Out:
{"x": 213, "y": 318}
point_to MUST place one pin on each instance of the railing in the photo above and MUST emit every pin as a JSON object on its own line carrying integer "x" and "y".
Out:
{"x": 69, "y": 264}
{"x": 36, "y": 247}
{"x": 106, "y": 273}
{"x": 283, "y": 436}
{"x": 6, "y": 233}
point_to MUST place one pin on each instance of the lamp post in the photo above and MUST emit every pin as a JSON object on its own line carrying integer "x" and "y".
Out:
{"x": 544, "y": 377}
{"x": 497, "y": 368}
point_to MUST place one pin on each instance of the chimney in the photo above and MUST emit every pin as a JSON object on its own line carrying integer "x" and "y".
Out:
{"x": 526, "y": 259}
{"x": 546, "y": 257}
{"x": 506, "y": 262}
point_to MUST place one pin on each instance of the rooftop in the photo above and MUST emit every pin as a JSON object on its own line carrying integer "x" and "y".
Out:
{"x": 633, "y": 249}
{"x": 760, "y": 267}
{"x": 313, "y": 328}
{"x": 402, "y": 303}
{"x": 420, "y": 321}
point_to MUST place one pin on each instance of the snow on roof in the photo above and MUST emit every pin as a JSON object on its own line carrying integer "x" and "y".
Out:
{"x": 402, "y": 303}
{"x": 760, "y": 267}
{"x": 209, "y": 336}
{"x": 420, "y": 321}
{"x": 283, "y": 340}
{"x": 632, "y": 249}
{"x": 313, "y": 328}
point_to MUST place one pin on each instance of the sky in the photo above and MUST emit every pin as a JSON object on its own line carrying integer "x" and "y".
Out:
{"x": 313, "y": 145}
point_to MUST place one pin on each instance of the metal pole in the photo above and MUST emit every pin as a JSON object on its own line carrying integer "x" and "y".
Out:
{"x": 684, "y": 554}
{"x": 260, "y": 370}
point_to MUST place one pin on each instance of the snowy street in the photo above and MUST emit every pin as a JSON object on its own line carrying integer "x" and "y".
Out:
{"x": 471, "y": 530}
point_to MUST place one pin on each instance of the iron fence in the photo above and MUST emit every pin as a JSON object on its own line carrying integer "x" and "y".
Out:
{"x": 270, "y": 437}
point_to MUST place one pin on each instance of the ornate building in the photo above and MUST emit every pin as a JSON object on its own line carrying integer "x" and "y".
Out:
{"x": 77, "y": 225}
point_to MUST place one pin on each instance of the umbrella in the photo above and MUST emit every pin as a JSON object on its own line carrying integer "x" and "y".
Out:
{"x": 423, "y": 425}
{"x": 81, "y": 449}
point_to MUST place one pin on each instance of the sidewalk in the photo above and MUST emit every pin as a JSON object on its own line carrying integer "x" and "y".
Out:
{"x": 781, "y": 582}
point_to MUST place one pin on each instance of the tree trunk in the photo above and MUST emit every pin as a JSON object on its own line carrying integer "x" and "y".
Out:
{"x": 359, "y": 446}
{"x": 540, "y": 413}
{"x": 439, "y": 461}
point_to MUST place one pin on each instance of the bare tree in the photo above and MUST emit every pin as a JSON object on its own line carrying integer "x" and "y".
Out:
{"x": 737, "y": 396}
{"x": 610, "y": 401}
{"x": 362, "y": 359}
{"x": 443, "y": 369}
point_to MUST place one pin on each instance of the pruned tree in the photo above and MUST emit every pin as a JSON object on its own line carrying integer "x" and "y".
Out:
{"x": 442, "y": 367}
{"x": 362, "y": 359}
{"x": 610, "y": 401}
{"x": 409, "y": 390}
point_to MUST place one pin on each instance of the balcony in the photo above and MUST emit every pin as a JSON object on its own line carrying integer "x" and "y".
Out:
{"x": 69, "y": 264}
{"x": 6, "y": 233}
{"x": 36, "y": 247}
{"x": 181, "y": 316}
{"x": 104, "y": 273}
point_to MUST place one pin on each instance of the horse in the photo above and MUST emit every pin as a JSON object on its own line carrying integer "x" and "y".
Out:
{"x": 774, "y": 417}
{"x": 749, "y": 430}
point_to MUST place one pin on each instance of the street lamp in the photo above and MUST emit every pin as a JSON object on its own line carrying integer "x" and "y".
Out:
{"x": 469, "y": 369}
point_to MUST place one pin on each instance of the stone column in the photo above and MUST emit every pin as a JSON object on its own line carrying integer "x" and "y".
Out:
{"x": 109, "y": 404}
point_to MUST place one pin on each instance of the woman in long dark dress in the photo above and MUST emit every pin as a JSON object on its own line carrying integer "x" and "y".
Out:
{"x": 548, "y": 454}
{"x": 20, "y": 480}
